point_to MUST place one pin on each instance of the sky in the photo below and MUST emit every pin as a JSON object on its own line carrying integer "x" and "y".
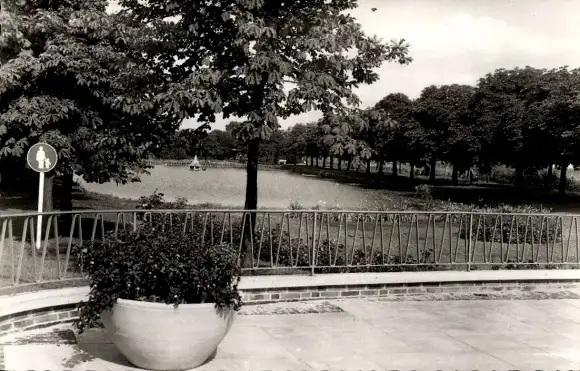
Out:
{"x": 459, "y": 41}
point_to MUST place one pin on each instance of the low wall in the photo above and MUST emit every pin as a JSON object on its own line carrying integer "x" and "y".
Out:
{"x": 45, "y": 308}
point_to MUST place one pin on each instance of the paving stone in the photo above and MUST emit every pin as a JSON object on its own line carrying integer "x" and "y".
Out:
{"x": 353, "y": 334}
{"x": 290, "y": 308}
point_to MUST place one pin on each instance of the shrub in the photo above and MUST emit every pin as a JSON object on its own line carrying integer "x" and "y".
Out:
{"x": 572, "y": 184}
{"x": 164, "y": 266}
{"x": 335, "y": 258}
{"x": 423, "y": 192}
{"x": 513, "y": 265}
{"x": 295, "y": 205}
{"x": 535, "y": 179}
{"x": 156, "y": 201}
{"x": 521, "y": 230}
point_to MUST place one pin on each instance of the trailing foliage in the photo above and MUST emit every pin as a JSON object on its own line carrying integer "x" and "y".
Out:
{"x": 157, "y": 264}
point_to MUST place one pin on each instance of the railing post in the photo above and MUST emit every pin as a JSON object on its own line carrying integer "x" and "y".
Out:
{"x": 469, "y": 241}
{"x": 313, "y": 255}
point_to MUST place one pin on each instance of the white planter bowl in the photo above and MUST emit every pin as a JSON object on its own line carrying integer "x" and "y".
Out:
{"x": 157, "y": 336}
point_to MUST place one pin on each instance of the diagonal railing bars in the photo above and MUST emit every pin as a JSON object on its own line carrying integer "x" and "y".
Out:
{"x": 311, "y": 241}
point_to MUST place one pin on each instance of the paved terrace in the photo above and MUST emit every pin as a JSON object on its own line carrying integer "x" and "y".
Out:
{"x": 377, "y": 333}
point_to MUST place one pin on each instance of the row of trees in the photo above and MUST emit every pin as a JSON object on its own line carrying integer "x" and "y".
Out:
{"x": 525, "y": 118}
{"x": 220, "y": 145}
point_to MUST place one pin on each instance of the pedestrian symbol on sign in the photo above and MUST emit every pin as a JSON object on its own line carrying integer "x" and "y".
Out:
{"x": 42, "y": 158}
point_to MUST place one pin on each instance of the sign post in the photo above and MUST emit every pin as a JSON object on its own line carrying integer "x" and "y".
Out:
{"x": 42, "y": 158}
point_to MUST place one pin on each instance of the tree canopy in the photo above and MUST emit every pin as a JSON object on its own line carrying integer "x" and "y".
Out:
{"x": 73, "y": 76}
{"x": 442, "y": 113}
{"x": 264, "y": 60}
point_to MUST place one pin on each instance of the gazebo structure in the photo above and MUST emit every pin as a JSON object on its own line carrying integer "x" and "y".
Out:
{"x": 195, "y": 165}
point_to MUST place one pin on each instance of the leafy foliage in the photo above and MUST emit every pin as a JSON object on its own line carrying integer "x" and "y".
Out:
{"x": 265, "y": 60}
{"x": 518, "y": 229}
{"x": 391, "y": 131}
{"x": 162, "y": 265}
{"x": 445, "y": 123}
{"x": 503, "y": 108}
{"x": 72, "y": 75}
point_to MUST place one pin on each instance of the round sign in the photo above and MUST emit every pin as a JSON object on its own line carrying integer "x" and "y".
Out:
{"x": 42, "y": 157}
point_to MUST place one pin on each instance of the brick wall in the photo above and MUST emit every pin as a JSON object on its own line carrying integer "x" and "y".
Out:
{"x": 44, "y": 317}
{"x": 41, "y": 317}
{"x": 260, "y": 296}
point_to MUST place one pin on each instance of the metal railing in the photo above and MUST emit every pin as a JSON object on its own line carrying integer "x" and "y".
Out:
{"x": 308, "y": 242}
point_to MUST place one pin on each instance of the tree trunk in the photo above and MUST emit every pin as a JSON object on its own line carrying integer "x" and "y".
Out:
{"x": 340, "y": 163}
{"x": 311, "y": 161}
{"x": 349, "y": 163}
{"x": 412, "y": 172}
{"x": 331, "y": 164}
{"x": 368, "y": 171}
{"x": 455, "y": 175}
{"x": 563, "y": 183}
{"x": 65, "y": 201}
{"x": 381, "y": 167}
{"x": 317, "y": 161}
{"x": 324, "y": 162}
{"x": 65, "y": 196}
{"x": 519, "y": 182}
{"x": 432, "y": 165}
{"x": 395, "y": 169}
{"x": 251, "y": 200}
{"x": 48, "y": 204}
{"x": 550, "y": 171}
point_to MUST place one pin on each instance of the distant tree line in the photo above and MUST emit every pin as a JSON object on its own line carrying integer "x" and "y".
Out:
{"x": 220, "y": 145}
{"x": 527, "y": 119}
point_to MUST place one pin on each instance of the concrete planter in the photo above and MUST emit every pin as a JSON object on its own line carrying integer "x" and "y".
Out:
{"x": 156, "y": 336}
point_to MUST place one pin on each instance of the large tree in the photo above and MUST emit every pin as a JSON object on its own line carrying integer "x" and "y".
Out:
{"x": 394, "y": 115}
{"x": 443, "y": 113}
{"x": 71, "y": 75}
{"x": 267, "y": 59}
{"x": 295, "y": 145}
{"x": 271, "y": 151}
{"x": 219, "y": 145}
{"x": 504, "y": 110}
{"x": 182, "y": 144}
{"x": 350, "y": 132}
{"x": 557, "y": 120}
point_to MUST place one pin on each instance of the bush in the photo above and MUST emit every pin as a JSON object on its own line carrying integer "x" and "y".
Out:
{"x": 572, "y": 184}
{"x": 156, "y": 201}
{"x": 484, "y": 226}
{"x": 296, "y": 252}
{"x": 423, "y": 192}
{"x": 163, "y": 266}
{"x": 535, "y": 179}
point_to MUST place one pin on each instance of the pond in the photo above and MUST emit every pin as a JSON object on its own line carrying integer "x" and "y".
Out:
{"x": 277, "y": 189}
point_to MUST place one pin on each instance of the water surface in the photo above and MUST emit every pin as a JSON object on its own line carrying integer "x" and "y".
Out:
{"x": 276, "y": 188}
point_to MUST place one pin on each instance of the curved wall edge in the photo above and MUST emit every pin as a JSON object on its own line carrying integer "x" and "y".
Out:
{"x": 25, "y": 311}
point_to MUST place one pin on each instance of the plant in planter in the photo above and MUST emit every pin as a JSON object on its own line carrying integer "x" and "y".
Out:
{"x": 165, "y": 298}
